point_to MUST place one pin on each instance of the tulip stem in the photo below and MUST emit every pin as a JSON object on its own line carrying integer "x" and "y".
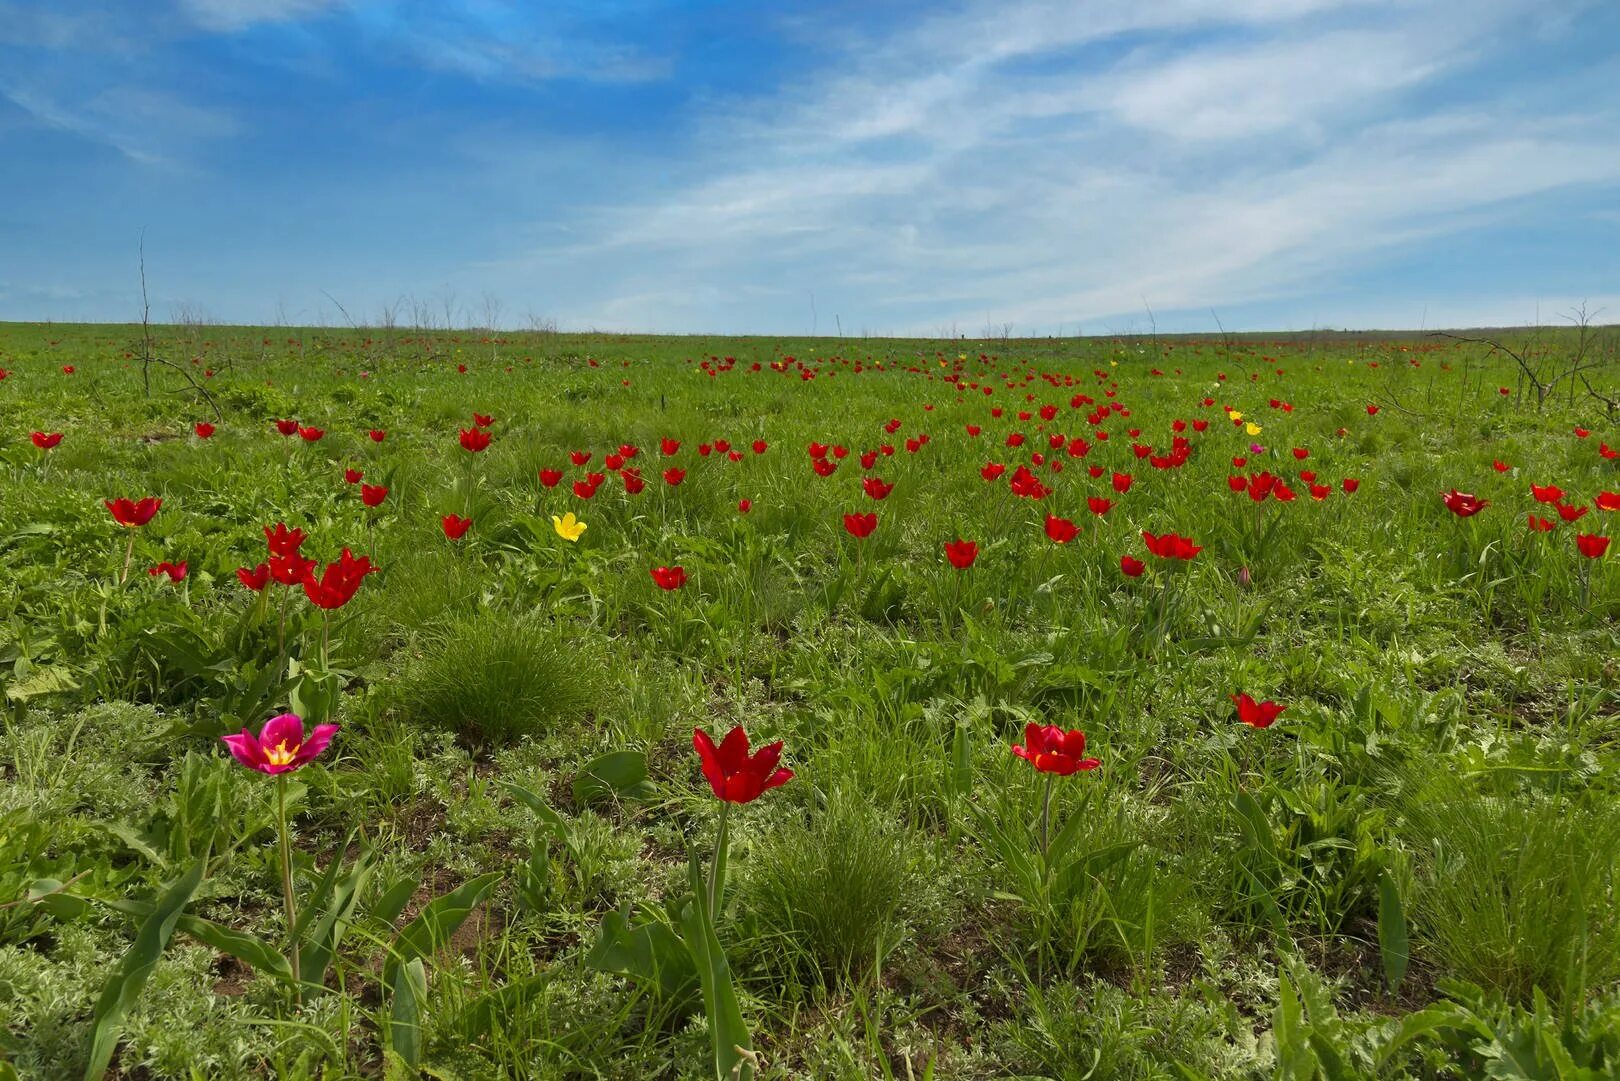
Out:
{"x": 129, "y": 557}
{"x": 717, "y": 868}
{"x": 286, "y": 884}
{"x": 1046, "y": 823}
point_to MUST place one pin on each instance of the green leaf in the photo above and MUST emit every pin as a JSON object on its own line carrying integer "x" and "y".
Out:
{"x": 405, "y": 1019}
{"x": 615, "y": 775}
{"x": 650, "y": 952}
{"x": 315, "y": 952}
{"x": 52, "y": 679}
{"x": 392, "y": 901}
{"x": 728, "y": 1032}
{"x": 434, "y": 925}
{"x": 248, "y": 949}
{"x": 538, "y": 805}
{"x": 1294, "y": 1059}
{"x": 1392, "y": 941}
{"x": 127, "y": 980}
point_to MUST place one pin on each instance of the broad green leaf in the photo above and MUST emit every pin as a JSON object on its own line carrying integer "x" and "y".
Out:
{"x": 615, "y": 775}
{"x": 405, "y": 1019}
{"x": 127, "y": 980}
{"x": 536, "y": 804}
{"x": 434, "y": 925}
{"x": 650, "y": 952}
{"x": 315, "y": 952}
{"x": 728, "y": 1032}
{"x": 1392, "y": 940}
{"x": 248, "y": 949}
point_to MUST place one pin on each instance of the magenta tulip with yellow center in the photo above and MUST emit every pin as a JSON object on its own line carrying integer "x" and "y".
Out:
{"x": 281, "y": 746}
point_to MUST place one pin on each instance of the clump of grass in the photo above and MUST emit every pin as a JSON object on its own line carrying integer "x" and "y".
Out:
{"x": 831, "y": 893}
{"x": 1516, "y": 892}
{"x": 493, "y": 678}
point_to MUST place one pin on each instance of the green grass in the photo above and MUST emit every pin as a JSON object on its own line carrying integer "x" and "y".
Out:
{"x": 1220, "y": 905}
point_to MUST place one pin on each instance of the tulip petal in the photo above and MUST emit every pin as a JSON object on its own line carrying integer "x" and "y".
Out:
{"x": 245, "y": 749}
{"x": 315, "y": 744}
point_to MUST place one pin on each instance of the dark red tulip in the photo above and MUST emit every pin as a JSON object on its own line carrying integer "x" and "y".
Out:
{"x": 550, "y": 477}
{"x": 455, "y": 528}
{"x": 339, "y": 582}
{"x": 667, "y": 446}
{"x": 353, "y": 476}
{"x": 860, "y": 526}
{"x": 1569, "y": 512}
{"x": 481, "y": 420}
{"x": 372, "y": 495}
{"x": 1131, "y": 567}
{"x": 46, "y": 441}
{"x": 473, "y": 439}
{"x": 282, "y": 541}
{"x": 203, "y": 429}
{"x": 1256, "y": 714}
{"x": 876, "y": 488}
{"x": 1350, "y": 485}
{"x": 744, "y": 506}
{"x": 1546, "y": 493}
{"x": 1372, "y": 410}
{"x": 1608, "y": 501}
{"x": 377, "y": 435}
{"x": 254, "y": 578}
{"x": 291, "y": 569}
{"x": 311, "y": 434}
{"x": 760, "y": 446}
{"x": 1538, "y": 524}
{"x": 674, "y": 476}
{"x": 1500, "y": 466}
{"x": 1591, "y": 545}
{"x": 1061, "y": 530}
{"x": 669, "y": 577}
{"x": 734, "y": 775}
{"x": 133, "y": 514}
{"x": 961, "y": 553}
{"x": 824, "y": 467}
{"x": 1098, "y": 505}
{"x": 579, "y": 457}
{"x": 1052, "y": 750}
{"x": 175, "y": 571}
{"x": 287, "y": 427}
{"x": 1463, "y": 504}
{"x": 584, "y": 489}
{"x": 992, "y": 471}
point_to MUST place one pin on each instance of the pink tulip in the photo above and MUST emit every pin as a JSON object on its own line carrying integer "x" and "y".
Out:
{"x": 281, "y": 746}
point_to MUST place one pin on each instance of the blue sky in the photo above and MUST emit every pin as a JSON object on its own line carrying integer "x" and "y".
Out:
{"x": 884, "y": 167}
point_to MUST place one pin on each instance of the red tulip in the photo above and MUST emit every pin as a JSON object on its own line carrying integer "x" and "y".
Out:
{"x": 876, "y": 488}
{"x": 1256, "y": 714}
{"x": 132, "y": 514}
{"x": 474, "y": 439}
{"x": 1061, "y": 530}
{"x": 353, "y": 476}
{"x": 1539, "y": 525}
{"x": 287, "y": 427}
{"x": 817, "y": 450}
{"x": 1131, "y": 567}
{"x": 377, "y": 435}
{"x": 1301, "y": 453}
{"x": 1122, "y": 483}
{"x": 1500, "y": 466}
{"x": 175, "y": 571}
{"x": 339, "y": 582}
{"x": 311, "y": 434}
{"x": 1591, "y": 545}
{"x": 961, "y": 553}
{"x": 1350, "y": 485}
{"x": 579, "y": 457}
{"x": 824, "y": 467}
{"x": 290, "y": 569}
{"x": 1052, "y": 750}
{"x": 992, "y": 471}
{"x": 744, "y": 506}
{"x": 1320, "y": 492}
{"x": 46, "y": 441}
{"x": 1570, "y": 513}
{"x": 1546, "y": 493}
{"x": 1463, "y": 504}
{"x": 550, "y": 477}
{"x": 254, "y": 578}
{"x": 67, "y": 369}
{"x": 1608, "y": 501}
{"x": 281, "y": 746}
{"x": 667, "y": 446}
{"x": 860, "y": 526}
{"x": 372, "y": 495}
{"x": 734, "y": 775}
{"x": 674, "y": 476}
{"x": 1098, "y": 505}
{"x": 1171, "y": 546}
{"x": 1372, "y": 410}
{"x": 669, "y": 577}
{"x": 203, "y": 429}
{"x": 584, "y": 489}
{"x": 1582, "y": 433}
{"x": 282, "y": 541}
{"x": 480, "y": 420}
{"x": 760, "y": 446}
{"x": 455, "y": 528}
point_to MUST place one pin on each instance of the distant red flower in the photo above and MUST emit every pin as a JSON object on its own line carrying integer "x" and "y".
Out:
{"x": 1122, "y": 483}
{"x": 992, "y": 471}
{"x": 579, "y": 457}
{"x": 1372, "y": 410}
{"x": 674, "y": 476}
{"x": 1463, "y": 504}
{"x": 668, "y": 446}
{"x": 1582, "y": 433}
{"x": 669, "y": 577}
{"x": 584, "y": 489}
{"x": 1569, "y": 512}
{"x": 817, "y": 450}
{"x": 876, "y": 488}
{"x": 311, "y": 434}
{"x": 550, "y": 477}
{"x": 67, "y": 369}
{"x": 1301, "y": 453}
{"x": 482, "y": 420}
{"x": 1171, "y": 545}
{"x": 824, "y": 467}
{"x": 1320, "y": 492}
{"x": 1099, "y": 505}
{"x": 291, "y": 569}
{"x": 287, "y": 427}
{"x": 1052, "y": 750}
{"x": 1350, "y": 485}
{"x": 1500, "y": 466}
{"x": 133, "y": 514}
{"x": 1608, "y": 501}
{"x": 372, "y": 495}
{"x": 1256, "y": 714}
{"x": 1546, "y": 493}
{"x": 760, "y": 446}
{"x": 377, "y": 435}
{"x": 455, "y": 528}
{"x": 474, "y": 439}
{"x": 633, "y": 484}
{"x": 961, "y": 553}
{"x": 1061, "y": 530}
{"x": 254, "y": 578}
{"x": 860, "y": 526}
{"x": 734, "y": 775}
{"x": 1131, "y": 567}
{"x": 175, "y": 571}
{"x": 1539, "y": 525}
{"x": 46, "y": 441}
{"x": 1591, "y": 545}
{"x": 203, "y": 429}
{"x": 744, "y": 506}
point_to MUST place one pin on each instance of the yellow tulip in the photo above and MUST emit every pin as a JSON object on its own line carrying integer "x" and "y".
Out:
{"x": 1234, "y": 415}
{"x": 1253, "y": 428}
{"x": 568, "y": 527}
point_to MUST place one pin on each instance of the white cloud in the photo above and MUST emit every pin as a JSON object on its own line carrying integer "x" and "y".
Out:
{"x": 231, "y": 16}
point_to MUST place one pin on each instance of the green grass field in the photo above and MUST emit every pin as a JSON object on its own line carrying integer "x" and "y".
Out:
{"x": 499, "y": 867}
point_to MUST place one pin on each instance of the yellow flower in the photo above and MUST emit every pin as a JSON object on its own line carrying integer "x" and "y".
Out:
{"x": 1113, "y": 363}
{"x": 1253, "y": 428}
{"x": 568, "y": 527}
{"x": 1234, "y": 415}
